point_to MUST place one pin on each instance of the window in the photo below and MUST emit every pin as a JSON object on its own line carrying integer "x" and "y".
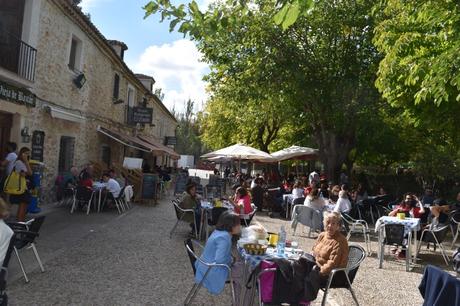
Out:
{"x": 106, "y": 155}
{"x": 75, "y": 54}
{"x": 116, "y": 86}
{"x": 131, "y": 95}
{"x": 66, "y": 153}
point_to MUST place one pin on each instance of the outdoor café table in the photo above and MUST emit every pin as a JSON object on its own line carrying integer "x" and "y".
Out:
{"x": 98, "y": 187}
{"x": 206, "y": 208}
{"x": 411, "y": 227}
{"x": 251, "y": 261}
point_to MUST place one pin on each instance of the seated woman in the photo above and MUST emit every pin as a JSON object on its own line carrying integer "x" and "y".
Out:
{"x": 314, "y": 201}
{"x": 334, "y": 194}
{"x": 218, "y": 249}
{"x": 191, "y": 200}
{"x": 343, "y": 204}
{"x": 331, "y": 247}
{"x": 297, "y": 190}
{"x": 410, "y": 205}
{"x": 242, "y": 201}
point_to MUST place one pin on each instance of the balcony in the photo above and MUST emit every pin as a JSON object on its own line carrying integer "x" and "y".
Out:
{"x": 17, "y": 56}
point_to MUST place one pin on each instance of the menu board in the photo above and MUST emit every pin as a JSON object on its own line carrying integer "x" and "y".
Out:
{"x": 38, "y": 141}
{"x": 149, "y": 186}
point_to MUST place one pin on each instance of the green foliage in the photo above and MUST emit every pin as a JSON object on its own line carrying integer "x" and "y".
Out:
{"x": 188, "y": 132}
{"x": 420, "y": 69}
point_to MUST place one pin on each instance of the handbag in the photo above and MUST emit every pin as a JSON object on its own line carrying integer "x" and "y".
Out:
{"x": 15, "y": 183}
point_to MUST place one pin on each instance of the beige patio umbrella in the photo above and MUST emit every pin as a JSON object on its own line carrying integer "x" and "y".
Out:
{"x": 240, "y": 152}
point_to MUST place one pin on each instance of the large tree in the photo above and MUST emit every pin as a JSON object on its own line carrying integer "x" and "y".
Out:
{"x": 320, "y": 71}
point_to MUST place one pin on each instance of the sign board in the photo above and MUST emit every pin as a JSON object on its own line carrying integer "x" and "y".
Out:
{"x": 170, "y": 141}
{"x": 132, "y": 163}
{"x": 38, "y": 141}
{"x": 141, "y": 115}
{"x": 17, "y": 95}
{"x": 149, "y": 186}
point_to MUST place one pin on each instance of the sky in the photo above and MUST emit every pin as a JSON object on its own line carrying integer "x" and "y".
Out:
{"x": 172, "y": 60}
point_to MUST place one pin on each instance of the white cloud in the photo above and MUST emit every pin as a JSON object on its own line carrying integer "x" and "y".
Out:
{"x": 87, "y": 4}
{"x": 177, "y": 69}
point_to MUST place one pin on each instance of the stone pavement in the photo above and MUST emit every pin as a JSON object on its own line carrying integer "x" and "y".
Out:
{"x": 106, "y": 259}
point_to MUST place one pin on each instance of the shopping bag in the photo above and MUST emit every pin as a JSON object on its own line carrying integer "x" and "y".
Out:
{"x": 15, "y": 184}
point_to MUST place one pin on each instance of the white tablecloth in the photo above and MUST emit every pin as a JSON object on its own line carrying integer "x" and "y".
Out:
{"x": 410, "y": 224}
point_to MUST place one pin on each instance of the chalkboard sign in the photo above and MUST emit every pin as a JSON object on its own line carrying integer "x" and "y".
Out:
{"x": 38, "y": 141}
{"x": 149, "y": 186}
{"x": 141, "y": 115}
{"x": 180, "y": 185}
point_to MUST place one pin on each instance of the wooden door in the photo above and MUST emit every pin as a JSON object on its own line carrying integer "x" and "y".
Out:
{"x": 6, "y": 122}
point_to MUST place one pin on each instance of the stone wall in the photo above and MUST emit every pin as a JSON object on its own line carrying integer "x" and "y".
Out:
{"x": 54, "y": 87}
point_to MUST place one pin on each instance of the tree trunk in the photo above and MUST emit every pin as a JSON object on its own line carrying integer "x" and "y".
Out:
{"x": 334, "y": 150}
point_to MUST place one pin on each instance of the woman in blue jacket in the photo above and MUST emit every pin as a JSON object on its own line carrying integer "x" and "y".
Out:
{"x": 218, "y": 250}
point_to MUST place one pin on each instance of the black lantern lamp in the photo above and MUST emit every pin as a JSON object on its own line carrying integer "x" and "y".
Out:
{"x": 80, "y": 80}
{"x": 25, "y": 135}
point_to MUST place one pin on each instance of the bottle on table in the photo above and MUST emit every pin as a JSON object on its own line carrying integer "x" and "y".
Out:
{"x": 281, "y": 241}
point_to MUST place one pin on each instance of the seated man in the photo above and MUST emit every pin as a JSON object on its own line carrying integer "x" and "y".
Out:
{"x": 112, "y": 185}
{"x": 440, "y": 210}
{"x": 71, "y": 179}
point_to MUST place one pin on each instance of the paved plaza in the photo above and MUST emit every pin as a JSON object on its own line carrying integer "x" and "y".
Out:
{"x": 106, "y": 259}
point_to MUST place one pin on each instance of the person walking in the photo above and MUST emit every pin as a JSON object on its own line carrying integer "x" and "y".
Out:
{"x": 22, "y": 167}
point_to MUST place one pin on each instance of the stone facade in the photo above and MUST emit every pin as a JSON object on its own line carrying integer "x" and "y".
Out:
{"x": 93, "y": 104}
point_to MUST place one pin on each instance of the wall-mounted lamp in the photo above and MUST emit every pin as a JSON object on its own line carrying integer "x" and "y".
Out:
{"x": 25, "y": 135}
{"x": 80, "y": 80}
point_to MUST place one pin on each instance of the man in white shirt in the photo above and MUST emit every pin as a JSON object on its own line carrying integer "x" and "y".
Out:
{"x": 10, "y": 158}
{"x": 111, "y": 185}
{"x": 343, "y": 204}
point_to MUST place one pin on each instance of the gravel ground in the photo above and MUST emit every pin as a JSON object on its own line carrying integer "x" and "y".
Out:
{"x": 132, "y": 261}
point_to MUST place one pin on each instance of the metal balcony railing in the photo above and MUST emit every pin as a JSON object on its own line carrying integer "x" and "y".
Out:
{"x": 17, "y": 56}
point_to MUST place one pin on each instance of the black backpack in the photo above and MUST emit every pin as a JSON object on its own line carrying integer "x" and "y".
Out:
{"x": 456, "y": 261}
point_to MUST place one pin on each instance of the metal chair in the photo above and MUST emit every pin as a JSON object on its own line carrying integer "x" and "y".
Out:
{"x": 247, "y": 218}
{"x": 25, "y": 235}
{"x": 307, "y": 216}
{"x": 356, "y": 255}
{"x": 189, "y": 246}
{"x": 180, "y": 213}
{"x": 455, "y": 223}
{"x": 393, "y": 235}
{"x": 82, "y": 195}
{"x": 353, "y": 226}
{"x": 4, "y": 271}
{"x": 435, "y": 236}
{"x": 120, "y": 202}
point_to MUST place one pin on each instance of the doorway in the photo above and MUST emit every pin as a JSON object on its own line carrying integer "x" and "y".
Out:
{"x": 6, "y": 123}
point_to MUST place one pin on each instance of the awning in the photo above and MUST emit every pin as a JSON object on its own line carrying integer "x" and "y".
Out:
{"x": 59, "y": 113}
{"x": 167, "y": 150}
{"x": 128, "y": 140}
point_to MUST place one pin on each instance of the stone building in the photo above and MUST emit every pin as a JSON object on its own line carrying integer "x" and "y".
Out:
{"x": 66, "y": 92}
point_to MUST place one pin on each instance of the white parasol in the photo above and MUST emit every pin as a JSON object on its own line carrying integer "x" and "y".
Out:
{"x": 296, "y": 152}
